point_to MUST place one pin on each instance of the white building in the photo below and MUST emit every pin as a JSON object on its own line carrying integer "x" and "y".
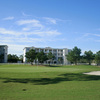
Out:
{"x": 58, "y": 53}
{"x": 3, "y": 53}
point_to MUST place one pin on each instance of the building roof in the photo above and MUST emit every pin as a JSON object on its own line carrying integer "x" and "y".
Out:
{"x": 3, "y": 46}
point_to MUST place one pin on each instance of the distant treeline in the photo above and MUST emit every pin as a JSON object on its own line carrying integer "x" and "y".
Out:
{"x": 74, "y": 57}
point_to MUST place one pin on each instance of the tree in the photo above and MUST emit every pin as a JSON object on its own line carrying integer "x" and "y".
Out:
{"x": 12, "y": 58}
{"x": 74, "y": 55}
{"x": 89, "y": 56}
{"x": 82, "y": 59}
{"x": 97, "y": 57}
{"x": 21, "y": 58}
{"x": 50, "y": 57}
{"x": 41, "y": 56}
{"x": 31, "y": 55}
{"x": 60, "y": 60}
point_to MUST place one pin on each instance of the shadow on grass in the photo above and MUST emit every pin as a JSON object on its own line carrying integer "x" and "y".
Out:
{"x": 60, "y": 78}
{"x": 53, "y": 65}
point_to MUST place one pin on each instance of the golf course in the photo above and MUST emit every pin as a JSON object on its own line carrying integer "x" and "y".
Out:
{"x": 55, "y": 82}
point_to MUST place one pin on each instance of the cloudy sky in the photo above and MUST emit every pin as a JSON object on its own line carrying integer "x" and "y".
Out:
{"x": 50, "y": 23}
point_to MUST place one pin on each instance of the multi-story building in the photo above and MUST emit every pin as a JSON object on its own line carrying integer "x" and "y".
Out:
{"x": 3, "y": 53}
{"x": 58, "y": 53}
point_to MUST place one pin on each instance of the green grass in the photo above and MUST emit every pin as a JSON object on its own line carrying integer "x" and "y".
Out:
{"x": 26, "y": 82}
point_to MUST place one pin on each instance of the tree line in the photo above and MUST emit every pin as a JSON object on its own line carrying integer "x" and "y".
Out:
{"x": 74, "y": 56}
{"x": 13, "y": 58}
{"x": 32, "y": 56}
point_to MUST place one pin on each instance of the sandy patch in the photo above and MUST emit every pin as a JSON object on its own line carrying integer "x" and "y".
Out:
{"x": 93, "y": 73}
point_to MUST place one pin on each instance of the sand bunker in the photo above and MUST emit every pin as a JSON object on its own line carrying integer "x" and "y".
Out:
{"x": 93, "y": 73}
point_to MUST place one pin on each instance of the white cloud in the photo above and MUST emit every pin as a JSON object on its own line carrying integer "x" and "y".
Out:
{"x": 29, "y": 33}
{"x": 55, "y": 20}
{"x": 26, "y": 29}
{"x": 89, "y": 37}
{"x": 22, "y": 22}
{"x": 97, "y": 40}
{"x": 51, "y": 20}
{"x": 8, "y": 18}
{"x": 25, "y": 14}
{"x": 4, "y": 31}
{"x": 98, "y": 35}
{"x": 40, "y": 33}
{"x": 30, "y": 24}
{"x": 27, "y": 40}
{"x": 20, "y": 40}
{"x": 17, "y": 44}
{"x": 92, "y": 34}
{"x": 15, "y": 49}
{"x": 45, "y": 33}
{"x": 82, "y": 37}
{"x": 5, "y": 40}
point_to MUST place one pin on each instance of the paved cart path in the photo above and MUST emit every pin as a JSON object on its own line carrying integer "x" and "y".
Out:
{"x": 93, "y": 73}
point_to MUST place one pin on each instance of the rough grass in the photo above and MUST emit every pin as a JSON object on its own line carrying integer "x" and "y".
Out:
{"x": 25, "y": 82}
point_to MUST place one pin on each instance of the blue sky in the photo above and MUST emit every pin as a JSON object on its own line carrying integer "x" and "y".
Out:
{"x": 50, "y": 23}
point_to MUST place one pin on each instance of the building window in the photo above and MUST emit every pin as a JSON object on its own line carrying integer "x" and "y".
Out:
{"x": 41, "y": 50}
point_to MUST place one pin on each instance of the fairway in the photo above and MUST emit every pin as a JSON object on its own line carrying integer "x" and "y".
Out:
{"x": 26, "y": 82}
